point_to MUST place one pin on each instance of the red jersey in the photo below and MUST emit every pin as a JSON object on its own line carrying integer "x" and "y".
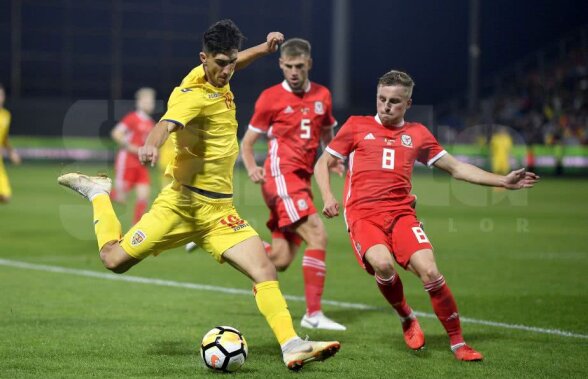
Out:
{"x": 381, "y": 160}
{"x": 293, "y": 124}
{"x": 137, "y": 126}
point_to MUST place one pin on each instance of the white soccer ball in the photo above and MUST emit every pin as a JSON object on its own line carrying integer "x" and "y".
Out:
{"x": 224, "y": 348}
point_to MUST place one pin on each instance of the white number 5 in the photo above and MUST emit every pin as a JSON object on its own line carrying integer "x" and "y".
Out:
{"x": 305, "y": 127}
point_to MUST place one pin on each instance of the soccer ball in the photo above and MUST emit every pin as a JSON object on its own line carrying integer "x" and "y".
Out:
{"x": 224, "y": 348}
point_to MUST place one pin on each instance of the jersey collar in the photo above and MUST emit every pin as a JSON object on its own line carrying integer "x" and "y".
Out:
{"x": 286, "y": 86}
{"x": 399, "y": 125}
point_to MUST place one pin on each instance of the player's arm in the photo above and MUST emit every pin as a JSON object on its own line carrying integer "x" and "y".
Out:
{"x": 255, "y": 172}
{"x": 119, "y": 135}
{"x": 327, "y": 134}
{"x": 157, "y": 137}
{"x": 12, "y": 154}
{"x": 323, "y": 179}
{"x": 469, "y": 173}
{"x": 247, "y": 56}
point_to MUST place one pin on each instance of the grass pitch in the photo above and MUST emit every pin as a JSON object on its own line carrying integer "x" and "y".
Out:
{"x": 511, "y": 258}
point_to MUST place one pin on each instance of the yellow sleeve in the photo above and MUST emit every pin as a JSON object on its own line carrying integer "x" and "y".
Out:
{"x": 184, "y": 104}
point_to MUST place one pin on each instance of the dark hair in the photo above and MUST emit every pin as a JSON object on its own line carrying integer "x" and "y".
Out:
{"x": 295, "y": 47}
{"x": 222, "y": 37}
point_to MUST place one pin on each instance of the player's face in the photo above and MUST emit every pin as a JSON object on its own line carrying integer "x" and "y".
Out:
{"x": 392, "y": 103}
{"x": 146, "y": 103}
{"x": 295, "y": 71}
{"x": 219, "y": 67}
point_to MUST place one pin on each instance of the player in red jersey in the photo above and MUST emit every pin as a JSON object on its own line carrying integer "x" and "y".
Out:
{"x": 130, "y": 134}
{"x": 381, "y": 222}
{"x": 296, "y": 116}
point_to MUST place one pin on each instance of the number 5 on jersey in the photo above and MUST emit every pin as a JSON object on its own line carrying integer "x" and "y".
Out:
{"x": 305, "y": 128}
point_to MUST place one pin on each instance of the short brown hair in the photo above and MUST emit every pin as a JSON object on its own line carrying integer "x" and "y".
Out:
{"x": 295, "y": 47}
{"x": 397, "y": 78}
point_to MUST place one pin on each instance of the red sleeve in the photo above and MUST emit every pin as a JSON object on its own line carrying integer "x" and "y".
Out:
{"x": 262, "y": 115}
{"x": 430, "y": 150}
{"x": 329, "y": 120}
{"x": 343, "y": 143}
{"x": 128, "y": 121}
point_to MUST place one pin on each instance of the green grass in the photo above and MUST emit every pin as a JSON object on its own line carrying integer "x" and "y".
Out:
{"x": 511, "y": 257}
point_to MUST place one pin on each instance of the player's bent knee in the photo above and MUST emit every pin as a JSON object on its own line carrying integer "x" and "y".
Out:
{"x": 112, "y": 259}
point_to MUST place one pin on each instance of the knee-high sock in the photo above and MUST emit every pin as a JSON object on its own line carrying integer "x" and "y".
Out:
{"x": 140, "y": 207}
{"x": 273, "y": 307}
{"x": 393, "y": 291}
{"x": 106, "y": 224}
{"x": 314, "y": 271}
{"x": 445, "y": 308}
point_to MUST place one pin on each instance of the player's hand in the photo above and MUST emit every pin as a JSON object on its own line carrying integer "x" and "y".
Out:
{"x": 257, "y": 175}
{"x": 520, "y": 179}
{"x": 331, "y": 207}
{"x": 338, "y": 167}
{"x": 14, "y": 157}
{"x": 274, "y": 39}
{"x": 148, "y": 154}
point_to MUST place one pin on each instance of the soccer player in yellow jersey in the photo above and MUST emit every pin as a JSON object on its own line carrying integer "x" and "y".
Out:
{"x": 198, "y": 206}
{"x": 500, "y": 148}
{"x": 5, "y": 191}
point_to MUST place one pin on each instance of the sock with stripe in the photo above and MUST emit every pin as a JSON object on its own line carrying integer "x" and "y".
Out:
{"x": 446, "y": 309}
{"x": 273, "y": 307}
{"x": 106, "y": 225}
{"x": 314, "y": 271}
{"x": 393, "y": 291}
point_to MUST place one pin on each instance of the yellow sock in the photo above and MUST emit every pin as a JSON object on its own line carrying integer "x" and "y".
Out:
{"x": 273, "y": 307}
{"x": 106, "y": 224}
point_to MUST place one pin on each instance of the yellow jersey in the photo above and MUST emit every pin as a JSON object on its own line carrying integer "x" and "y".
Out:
{"x": 206, "y": 146}
{"x": 4, "y": 126}
{"x": 500, "y": 144}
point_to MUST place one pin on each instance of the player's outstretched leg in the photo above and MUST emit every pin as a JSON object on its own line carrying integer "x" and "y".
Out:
{"x": 249, "y": 257}
{"x": 96, "y": 189}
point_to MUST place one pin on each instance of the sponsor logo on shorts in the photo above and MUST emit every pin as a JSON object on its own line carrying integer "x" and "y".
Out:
{"x": 137, "y": 238}
{"x": 234, "y": 222}
{"x": 302, "y": 205}
{"x": 406, "y": 140}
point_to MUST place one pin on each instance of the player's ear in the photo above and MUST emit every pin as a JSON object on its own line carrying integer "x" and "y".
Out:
{"x": 309, "y": 63}
{"x": 281, "y": 61}
{"x": 408, "y": 103}
{"x": 202, "y": 57}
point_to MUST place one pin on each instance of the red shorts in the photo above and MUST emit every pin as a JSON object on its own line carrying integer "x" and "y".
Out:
{"x": 289, "y": 199}
{"x": 129, "y": 171}
{"x": 402, "y": 235}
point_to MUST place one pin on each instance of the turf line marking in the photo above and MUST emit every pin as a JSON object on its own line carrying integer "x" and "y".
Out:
{"x": 237, "y": 291}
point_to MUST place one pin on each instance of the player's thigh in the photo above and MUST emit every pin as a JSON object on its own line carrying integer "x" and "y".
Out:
{"x": 165, "y": 226}
{"x": 220, "y": 227}
{"x": 249, "y": 257}
{"x": 407, "y": 238}
{"x": 364, "y": 235}
{"x": 312, "y": 230}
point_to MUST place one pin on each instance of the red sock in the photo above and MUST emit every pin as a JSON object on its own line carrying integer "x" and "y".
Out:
{"x": 393, "y": 291}
{"x": 445, "y": 308}
{"x": 140, "y": 207}
{"x": 314, "y": 270}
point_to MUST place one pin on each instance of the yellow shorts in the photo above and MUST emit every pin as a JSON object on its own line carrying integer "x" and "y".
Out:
{"x": 179, "y": 216}
{"x": 4, "y": 183}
